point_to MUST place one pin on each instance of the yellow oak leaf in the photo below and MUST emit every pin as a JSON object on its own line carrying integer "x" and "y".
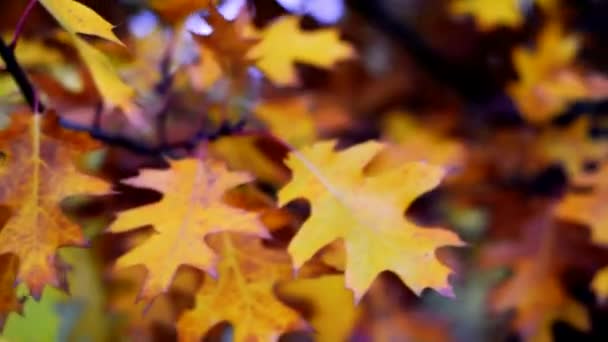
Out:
{"x": 283, "y": 43}
{"x": 76, "y": 18}
{"x": 571, "y": 146}
{"x": 547, "y": 81}
{"x": 110, "y": 85}
{"x": 333, "y": 310}
{"x": 600, "y": 284}
{"x": 367, "y": 212}
{"x": 289, "y": 119}
{"x": 589, "y": 208}
{"x": 490, "y": 14}
{"x": 191, "y": 208}
{"x": 243, "y": 294}
{"x": 38, "y": 174}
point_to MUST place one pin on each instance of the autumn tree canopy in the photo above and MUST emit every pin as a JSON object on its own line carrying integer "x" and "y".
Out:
{"x": 322, "y": 170}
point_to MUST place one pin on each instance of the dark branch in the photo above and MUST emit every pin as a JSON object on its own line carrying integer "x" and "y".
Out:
{"x": 18, "y": 74}
{"x": 133, "y": 145}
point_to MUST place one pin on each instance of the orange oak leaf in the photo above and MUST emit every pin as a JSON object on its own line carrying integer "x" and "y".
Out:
{"x": 284, "y": 43}
{"x": 243, "y": 294}
{"x": 367, "y": 212}
{"x": 589, "y": 208}
{"x": 539, "y": 300}
{"x": 547, "y": 80}
{"x": 191, "y": 208}
{"x": 535, "y": 290}
{"x": 38, "y": 174}
{"x": 333, "y": 311}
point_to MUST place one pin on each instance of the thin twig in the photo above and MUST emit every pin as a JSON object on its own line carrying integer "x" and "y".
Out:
{"x": 133, "y": 145}
{"x": 21, "y": 23}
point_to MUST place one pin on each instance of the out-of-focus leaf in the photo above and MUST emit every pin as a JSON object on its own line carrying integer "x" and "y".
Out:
{"x": 243, "y": 294}
{"x": 283, "y": 43}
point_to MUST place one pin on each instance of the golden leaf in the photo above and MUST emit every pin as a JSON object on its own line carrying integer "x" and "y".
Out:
{"x": 243, "y": 294}
{"x": 191, "y": 208}
{"x": 284, "y": 43}
{"x": 367, "y": 212}
{"x": 547, "y": 83}
{"x": 490, "y": 14}
{"x": 37, "y": 176}
{"x": 76, "y": 18}
{"x": 571, "y": 146}
{"x": 589, "y": 208}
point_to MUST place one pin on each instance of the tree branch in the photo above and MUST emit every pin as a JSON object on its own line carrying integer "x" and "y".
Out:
{"x": 23, "y": 82}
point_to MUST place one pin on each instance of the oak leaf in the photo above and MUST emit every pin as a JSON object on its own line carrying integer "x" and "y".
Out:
{"x": 547, "y": 81}
{"x": 191, "y": 208}
{"x": 38, "y": 174}
{"x": 490, "y": 14}
{"x": 535, "y": 290}
{"x": 283, "y": 43}
{"x": 77, "y": 18}
{"x": 571, "y": 146}
{"x": 367, "y": 212}
{"x": 243, "y": 294}
{"x": 540, "y": 300}
{"x": 589, "y": 208}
